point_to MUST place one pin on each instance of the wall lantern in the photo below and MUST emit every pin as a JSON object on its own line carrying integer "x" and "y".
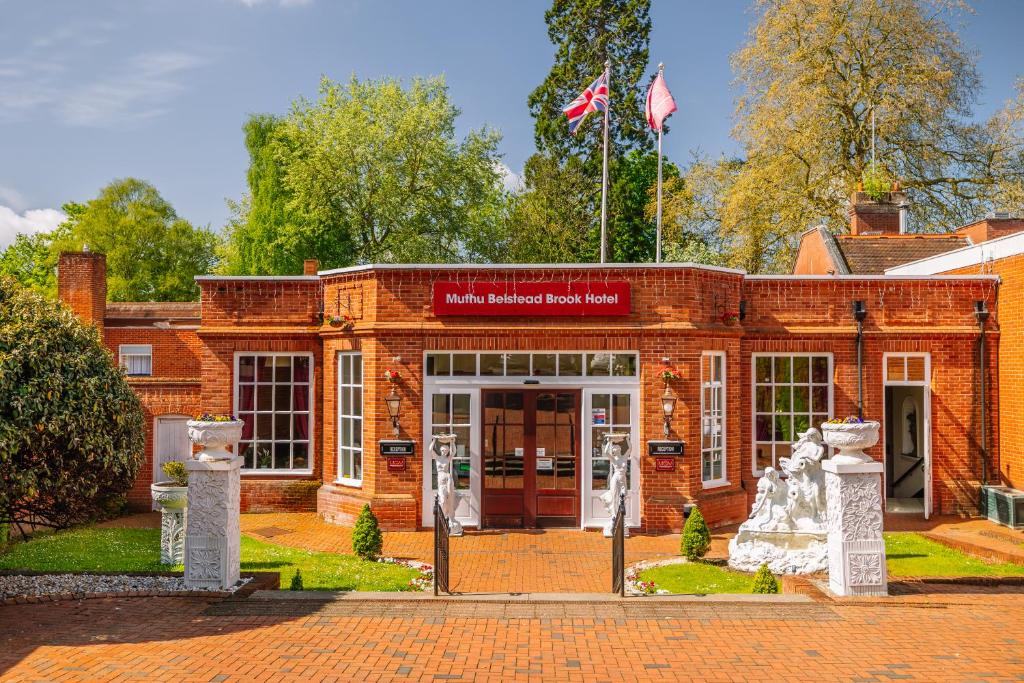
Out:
{"x": 668, "y": 405}
{"x": 394, "y": 404}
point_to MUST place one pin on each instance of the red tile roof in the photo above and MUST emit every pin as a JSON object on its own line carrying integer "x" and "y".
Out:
{"x": 871, "y": 255}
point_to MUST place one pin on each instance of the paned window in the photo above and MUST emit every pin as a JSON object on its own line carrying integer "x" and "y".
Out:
{"x": 350, "y": 417}
{"x": 598, "y": 364}
{"x": 792, "y": 393}
{"x": 712, "y": 410}
{"x": 272, "y": 398}
{"x": 608, "y": 413}
{"x": 450, "y": 414}
{"x": 136, "y": 359}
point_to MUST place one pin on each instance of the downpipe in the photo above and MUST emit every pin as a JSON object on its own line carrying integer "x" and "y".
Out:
{"x": 860, "y": 312}
{"x": 981, "y": 314}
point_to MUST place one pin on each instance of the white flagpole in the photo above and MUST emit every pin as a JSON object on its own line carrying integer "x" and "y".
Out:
{"x": 604, "y": 173}
{"x": 657, "y": 256}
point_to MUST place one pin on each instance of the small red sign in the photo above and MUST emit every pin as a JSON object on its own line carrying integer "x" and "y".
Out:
{"x": 396, "y": 464}
{"x": 664, "y": 464}
{"x": 531, "y": 298}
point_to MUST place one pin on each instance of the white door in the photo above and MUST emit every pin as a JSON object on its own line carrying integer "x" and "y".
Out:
{"x": 927, "y": 451}
{"x": 170, "y": 442}
{"x": 452, "y": 411}
{"x": 604, "y": 411}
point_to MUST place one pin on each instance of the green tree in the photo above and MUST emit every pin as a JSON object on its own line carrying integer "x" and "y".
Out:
{"x": 632, "y": 232}
{"x": 765, "y": 581}
{"x": 152, "y": 253}
{"x": 373, "y": 172}
{"x": 812, "y": 74}
{"x": 696, "y": 538}
{"x": 71, "y": 429}
{"x": 585, "y": 34}
{"x": 550, "y": 220}
{"x": 367, "y": 541}
{"x": 265, "y": 236}
{"x": 27, "y": 260}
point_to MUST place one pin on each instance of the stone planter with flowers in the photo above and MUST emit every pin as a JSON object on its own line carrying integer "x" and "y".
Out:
{"x": 214, "y": 433}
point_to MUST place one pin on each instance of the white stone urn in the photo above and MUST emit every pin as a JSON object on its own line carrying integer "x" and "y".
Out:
{"x": 851, "y": 438}
{"x": 173, "y": 501}
{"x": 214, "y": 437}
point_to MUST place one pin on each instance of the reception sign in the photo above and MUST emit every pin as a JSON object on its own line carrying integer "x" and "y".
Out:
{"x": 579, "y": 298}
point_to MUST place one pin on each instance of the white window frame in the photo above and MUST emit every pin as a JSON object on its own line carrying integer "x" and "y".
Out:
{"x": 926, "y": 428}
{"x": 126, "y": 351}
{"x": 487, "y": 379}
{"x": 720, "y": 386}
{"x": 753, "y": 393}
{"x": 312, "y": 410}
{"x": 351, "y": 451}
{"x": 906, "y": 355}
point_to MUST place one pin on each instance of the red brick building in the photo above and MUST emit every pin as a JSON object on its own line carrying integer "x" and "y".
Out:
{"x": 530, "y": 365}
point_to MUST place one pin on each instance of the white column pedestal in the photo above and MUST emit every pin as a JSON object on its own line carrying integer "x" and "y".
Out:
{"x": 213, "y": 539}
{"x": 856, "y": 549}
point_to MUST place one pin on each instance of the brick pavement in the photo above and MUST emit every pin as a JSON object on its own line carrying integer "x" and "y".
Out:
{"x": 951, "y": 637}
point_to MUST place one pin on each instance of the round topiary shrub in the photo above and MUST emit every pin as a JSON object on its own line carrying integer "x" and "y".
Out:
{"x": 71, "y": 429}
{"x": 765, "y": 581}
{"x": 367, "y": 541}
{"x": 696, "y": 536}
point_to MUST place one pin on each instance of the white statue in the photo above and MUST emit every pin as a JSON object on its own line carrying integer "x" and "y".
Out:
{"x": 787, "y": 524}
{"x": 805, "y": 508}
{"x": 442, "y": 447}
{"x": 616, "y": 450}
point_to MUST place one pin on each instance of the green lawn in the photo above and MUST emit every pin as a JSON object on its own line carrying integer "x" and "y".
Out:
{"x": 698, "y": 577}
{"x": 912, "y": 555}
{"x": 113, "y": 550}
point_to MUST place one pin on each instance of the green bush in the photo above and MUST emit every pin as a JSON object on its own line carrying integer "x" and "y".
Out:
{"x": 367, "y": 541}
{"x": 696, "y": 537}
{"x": 176, "y": 471}
{"x": 71, "y": 429}
{"x": 765, "y": 581}
{"x": 296, "y": 581}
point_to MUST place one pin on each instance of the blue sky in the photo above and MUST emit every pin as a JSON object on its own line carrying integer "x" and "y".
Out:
{"x": 91, "y": 91}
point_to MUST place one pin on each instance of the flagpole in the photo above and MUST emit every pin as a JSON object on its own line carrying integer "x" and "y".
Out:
{"x": 604, "y": 173}
{"x": 657, "y": 255}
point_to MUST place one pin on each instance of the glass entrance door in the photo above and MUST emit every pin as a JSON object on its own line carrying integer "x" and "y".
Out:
{"x": 530, "y": 458}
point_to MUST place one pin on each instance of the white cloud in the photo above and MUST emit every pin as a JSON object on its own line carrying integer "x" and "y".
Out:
{"x": 29, "y": 222}
{"x": 13, "y": 198}
{"x": 56, "y": 74}
{"x": 512, "y": 181}
{"x": 138, "y": 91}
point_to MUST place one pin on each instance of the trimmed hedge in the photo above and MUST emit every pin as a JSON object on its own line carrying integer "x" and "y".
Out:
{"x": 696, "y": 536}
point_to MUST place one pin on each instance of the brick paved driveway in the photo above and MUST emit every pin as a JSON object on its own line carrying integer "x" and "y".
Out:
{"x": 534, "y": 561}
{"x": 947, "y": 637}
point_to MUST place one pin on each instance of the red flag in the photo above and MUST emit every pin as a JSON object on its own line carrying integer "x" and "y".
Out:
{"x": 659, "y": 103}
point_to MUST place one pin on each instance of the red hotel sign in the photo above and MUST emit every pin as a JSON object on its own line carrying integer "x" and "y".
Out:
{"x": 531, "y": 298}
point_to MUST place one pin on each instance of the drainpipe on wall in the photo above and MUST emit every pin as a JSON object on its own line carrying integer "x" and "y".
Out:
{"x": 981, "y": 313}
{"x": 859, "y": 313}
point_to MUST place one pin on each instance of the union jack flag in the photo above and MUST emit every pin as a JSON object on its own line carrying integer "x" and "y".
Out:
{"x": 594, "y": 98}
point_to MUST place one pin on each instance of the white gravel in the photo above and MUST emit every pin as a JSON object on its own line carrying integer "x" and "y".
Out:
{"x": 13, "y": 586}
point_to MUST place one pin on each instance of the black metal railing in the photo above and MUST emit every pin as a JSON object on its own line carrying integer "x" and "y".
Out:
{"x": 619, "y": 549}
{"x": 441, "y": 551}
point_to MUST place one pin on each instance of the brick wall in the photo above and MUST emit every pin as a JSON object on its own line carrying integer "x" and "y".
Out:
{"x": 1008, "y": 363}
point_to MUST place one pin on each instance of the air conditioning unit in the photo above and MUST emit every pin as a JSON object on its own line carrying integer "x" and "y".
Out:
{"x": 1003, "y": 505}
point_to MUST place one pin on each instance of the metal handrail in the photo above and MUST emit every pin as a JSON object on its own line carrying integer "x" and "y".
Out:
{"x": 441, "y": 549}
{"x": 619, "y": 548}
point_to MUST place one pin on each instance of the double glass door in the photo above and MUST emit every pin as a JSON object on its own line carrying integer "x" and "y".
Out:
{"x": 530, "y": 458}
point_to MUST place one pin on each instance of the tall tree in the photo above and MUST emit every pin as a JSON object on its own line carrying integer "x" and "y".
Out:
{"x": 586, "y": 33}
{"x": 549, "y": 220}
{"x": 152, "y": 253}
{"x": 372, "y": 172}
{"x": 813, "y": 72}
{"x": 265, "y": 236}
{"x": 633, "y": 232}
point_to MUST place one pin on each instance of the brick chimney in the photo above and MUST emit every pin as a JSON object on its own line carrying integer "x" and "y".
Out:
{"x": 310, "y": 266}
{"x": 993, "y": 226}
{"x": 82, "y": 284}
{"x": 870, "y": 217}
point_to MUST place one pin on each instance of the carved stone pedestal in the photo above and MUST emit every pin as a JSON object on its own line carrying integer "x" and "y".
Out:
{"x": 856, "y": 550}
{"x": 213, "y": 539}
